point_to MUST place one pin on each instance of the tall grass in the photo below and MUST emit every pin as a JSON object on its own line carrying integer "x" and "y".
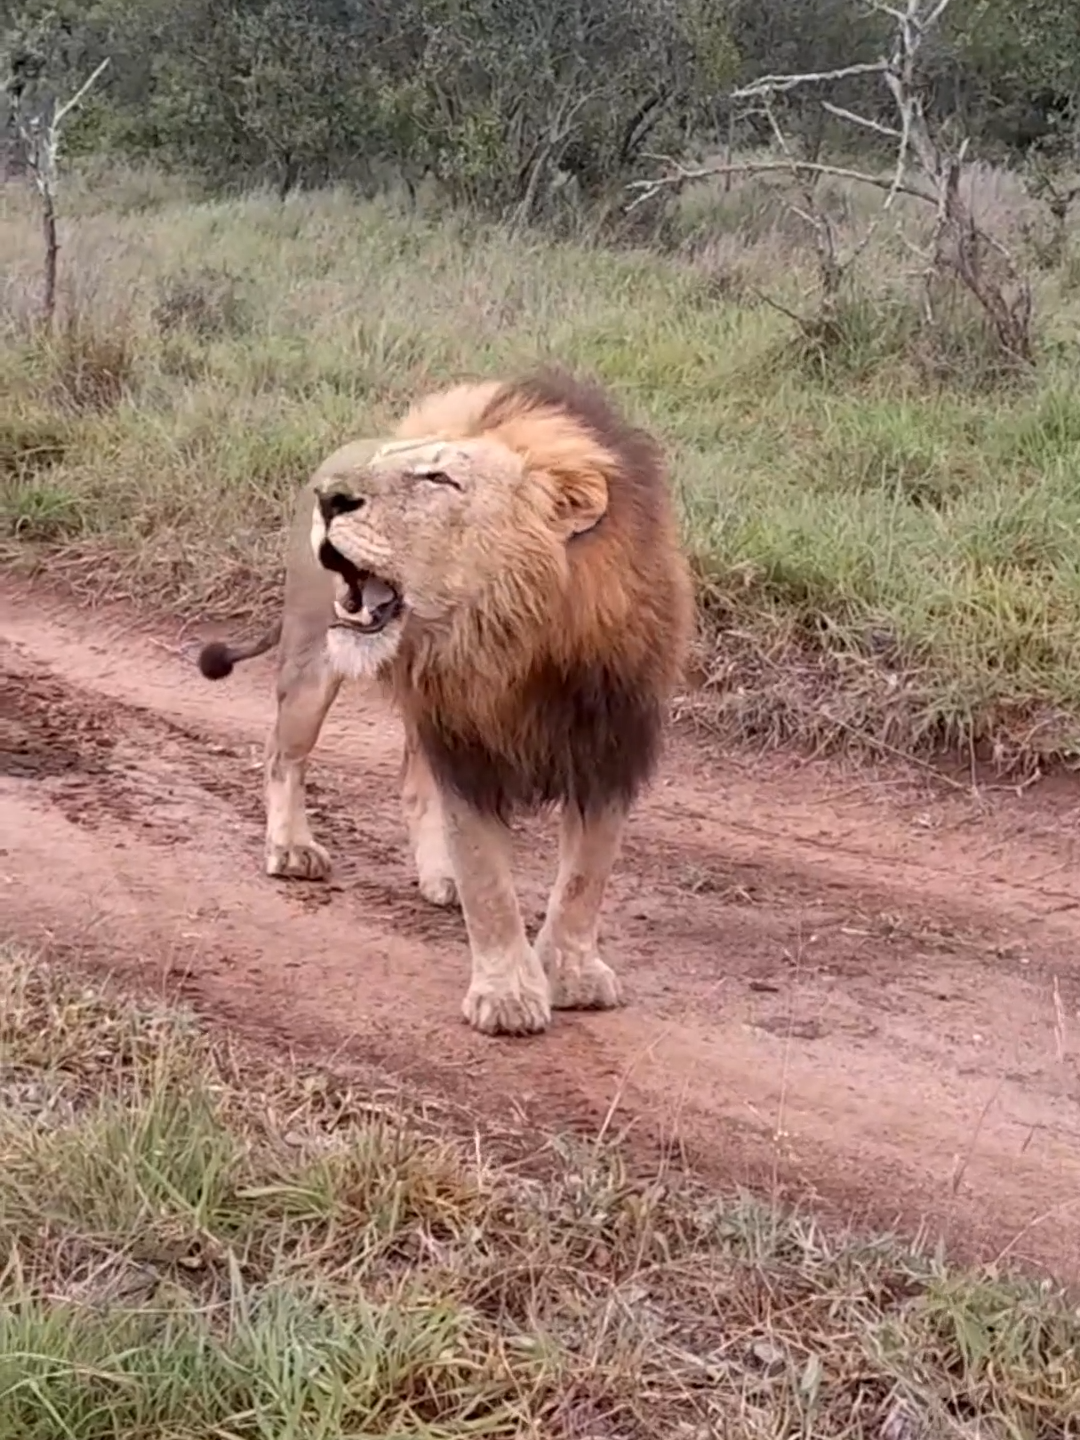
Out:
{"x": 884, "y": 534}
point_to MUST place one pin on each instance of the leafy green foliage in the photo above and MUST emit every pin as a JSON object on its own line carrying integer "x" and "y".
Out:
{"x": 500, "y": 103}
{"x": 515, "y": 108}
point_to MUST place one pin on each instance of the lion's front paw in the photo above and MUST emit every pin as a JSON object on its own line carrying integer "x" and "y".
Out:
{"x": 298, "y": 862}
{"x": 578, "y": 981}
{"x": 594, "y": 986}
{"x": 516, "y": 1006}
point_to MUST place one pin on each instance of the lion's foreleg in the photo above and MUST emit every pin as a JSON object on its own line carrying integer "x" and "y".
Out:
{"x": 305, "y": 692}
{"x": 567, "y": 944}
{"x": 423, "y": 809}
{"x": 508, "y": 994}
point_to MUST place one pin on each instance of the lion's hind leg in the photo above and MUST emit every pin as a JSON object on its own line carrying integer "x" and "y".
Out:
{"x": 567, "y": 943}
{"x": 423, "y": 809}
{"x": 306, "y": 689}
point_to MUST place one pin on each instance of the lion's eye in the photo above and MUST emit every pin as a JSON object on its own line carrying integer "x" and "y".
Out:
{"x": 439, "y": 477}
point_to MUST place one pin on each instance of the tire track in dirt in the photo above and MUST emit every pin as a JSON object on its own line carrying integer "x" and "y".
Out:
{"x": 837, "y": 990}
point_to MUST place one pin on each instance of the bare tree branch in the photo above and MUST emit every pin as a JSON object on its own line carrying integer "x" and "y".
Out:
{"x": 79, "y": 95}
{"x": 680, "y": 175}
{"x": 889, "y": 131}
{"x": 782, "y": 84}
{"x": 560, "y": 130}
{"x": 1045, "y": 181}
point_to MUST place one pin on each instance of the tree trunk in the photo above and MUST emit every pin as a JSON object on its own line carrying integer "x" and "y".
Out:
{"x": 52, "y": 251}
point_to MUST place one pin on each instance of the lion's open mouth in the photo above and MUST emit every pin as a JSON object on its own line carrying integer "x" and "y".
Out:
{"x": 368, "y": 602}
{"x": 368, "y": 606}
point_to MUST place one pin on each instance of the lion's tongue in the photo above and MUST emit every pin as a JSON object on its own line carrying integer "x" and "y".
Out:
{"x": 375, "y": 593}
{"x": 376, "y": 601}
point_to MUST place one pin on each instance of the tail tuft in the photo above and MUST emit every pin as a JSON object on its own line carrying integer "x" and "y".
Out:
{"x": 215, "y": 660}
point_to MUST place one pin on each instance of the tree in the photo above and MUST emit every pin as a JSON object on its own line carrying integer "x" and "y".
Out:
{"x": 39, "y": 116}
{"x": 924, "y": 166}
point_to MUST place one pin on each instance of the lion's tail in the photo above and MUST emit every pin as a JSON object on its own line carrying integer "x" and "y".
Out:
{"x": 216, "y": 659}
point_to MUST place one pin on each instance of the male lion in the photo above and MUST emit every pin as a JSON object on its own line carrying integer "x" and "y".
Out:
{"x": 508, "y": 569}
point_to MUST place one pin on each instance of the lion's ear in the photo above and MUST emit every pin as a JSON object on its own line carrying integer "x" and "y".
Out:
{"x": 582, "y": 502}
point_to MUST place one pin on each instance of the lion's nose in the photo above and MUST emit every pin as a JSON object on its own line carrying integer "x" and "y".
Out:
{"x": 335, "y": 500}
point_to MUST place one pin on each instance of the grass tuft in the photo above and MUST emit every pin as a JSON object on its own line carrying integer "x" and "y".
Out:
{"x": 92, "y": 364}
{"x": 206, "y": 302}
{"x": 195, "y": 1242}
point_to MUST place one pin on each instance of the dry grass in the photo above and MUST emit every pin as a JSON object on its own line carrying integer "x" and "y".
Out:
{"x": 195, "y": 1245}
{"x": 884, "y": 532}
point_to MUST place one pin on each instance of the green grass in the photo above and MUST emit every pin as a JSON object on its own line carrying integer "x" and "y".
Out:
{"x": 197, "y": 1244}
{"x": 885, "y": 541}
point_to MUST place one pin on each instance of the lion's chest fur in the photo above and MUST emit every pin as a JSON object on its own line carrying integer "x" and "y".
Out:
{"x": 583, "y": 735}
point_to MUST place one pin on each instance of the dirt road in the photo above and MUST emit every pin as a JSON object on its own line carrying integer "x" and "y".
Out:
{"x": 837, "y": 986}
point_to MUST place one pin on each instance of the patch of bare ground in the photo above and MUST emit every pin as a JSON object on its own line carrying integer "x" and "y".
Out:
{"x": 850, "y": 999}
{"x": 848, "y": 991}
